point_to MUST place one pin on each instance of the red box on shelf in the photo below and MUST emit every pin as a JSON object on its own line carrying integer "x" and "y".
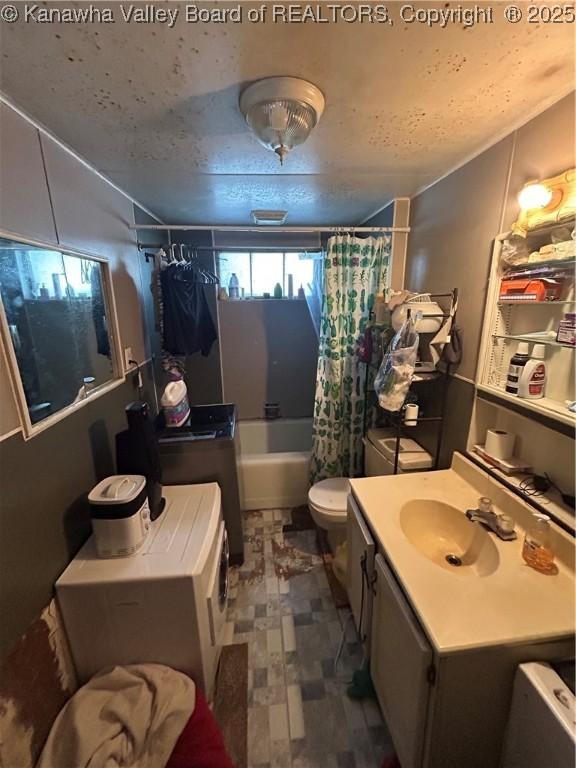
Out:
{"x": 535, "y": 289}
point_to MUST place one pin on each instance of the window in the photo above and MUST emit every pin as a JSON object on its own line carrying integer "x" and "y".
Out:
{"x": 258, "y": 272}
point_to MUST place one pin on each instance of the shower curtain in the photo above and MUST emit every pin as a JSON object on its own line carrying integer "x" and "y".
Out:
{"x": 355, "y": 269}
{"x": 314, "y": 292}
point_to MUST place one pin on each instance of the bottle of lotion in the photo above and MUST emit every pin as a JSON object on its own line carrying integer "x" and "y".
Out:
{"x": 533, "y": 377}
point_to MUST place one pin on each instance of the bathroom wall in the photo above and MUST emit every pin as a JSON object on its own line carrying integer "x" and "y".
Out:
{"x": 454, "y": 222}
{"x": 276, "y": 343}
{"x": 274, "y": 340}
{"x": 46, "y": 193}
{"x": 395, "y": 214}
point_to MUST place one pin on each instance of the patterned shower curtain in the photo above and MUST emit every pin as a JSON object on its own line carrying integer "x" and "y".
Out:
{"x": 355, "y": 269}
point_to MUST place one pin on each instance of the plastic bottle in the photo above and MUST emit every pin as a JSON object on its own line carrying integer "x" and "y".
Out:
{"x": 537, "y": 548}
{"x": 234, "y": 287}
{"x": 175, "y": 404}
{"x": 381, "y": 311}
{"x": 533, "y": 377}
{"x": 517, "y": 363}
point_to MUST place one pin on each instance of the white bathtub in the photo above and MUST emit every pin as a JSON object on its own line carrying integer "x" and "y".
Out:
{"x": 273, "y": 462}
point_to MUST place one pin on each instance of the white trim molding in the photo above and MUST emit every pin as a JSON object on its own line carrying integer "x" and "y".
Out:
{"x": 30, "y": 429}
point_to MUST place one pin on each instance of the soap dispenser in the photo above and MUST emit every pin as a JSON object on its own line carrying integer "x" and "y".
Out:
{"x": 537, "y": 549}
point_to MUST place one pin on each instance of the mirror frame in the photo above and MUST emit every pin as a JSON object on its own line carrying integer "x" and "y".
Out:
{"x": 29, "y": 429}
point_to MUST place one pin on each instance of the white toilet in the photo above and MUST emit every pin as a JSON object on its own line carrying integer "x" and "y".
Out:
{"x": 328, "y": 499}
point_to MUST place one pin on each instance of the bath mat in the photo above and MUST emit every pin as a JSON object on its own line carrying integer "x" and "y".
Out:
{"x": 231, "y": 701}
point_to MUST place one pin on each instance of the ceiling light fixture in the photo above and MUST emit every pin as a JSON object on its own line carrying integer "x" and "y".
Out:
{"x": 282, "y": 111}
{"x": 534, "y": 196}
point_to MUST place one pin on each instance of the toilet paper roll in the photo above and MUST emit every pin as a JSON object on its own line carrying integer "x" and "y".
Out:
{"x": 499, "y": 444}
{"x": 411, "y": 415}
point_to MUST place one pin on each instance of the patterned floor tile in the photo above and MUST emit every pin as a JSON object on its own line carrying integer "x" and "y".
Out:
{"x": 280, "y": 754}
{"x": 260, "y": 677}
{"x": 278, "y": 723}
{"x": 266, "y": 697}
{"x": 313, "y": 690}
{"x": 281, "y": 605}
{"x": 258, "y": 736}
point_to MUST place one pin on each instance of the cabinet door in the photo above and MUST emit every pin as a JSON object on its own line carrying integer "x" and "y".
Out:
{"x": 361, "y": 551}
{"x": 401, "y": 657}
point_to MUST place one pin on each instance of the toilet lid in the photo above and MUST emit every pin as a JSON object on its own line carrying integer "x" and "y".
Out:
{"x": 331, "y": 494}
{"x": 411, "y": 455}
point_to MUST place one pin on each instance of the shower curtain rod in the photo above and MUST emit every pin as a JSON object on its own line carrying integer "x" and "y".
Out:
{"x": 229, "y": 249}
{"x": 267, "y": 229}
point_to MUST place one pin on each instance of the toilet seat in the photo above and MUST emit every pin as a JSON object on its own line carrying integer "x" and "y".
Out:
{"x": 328, "y": 502}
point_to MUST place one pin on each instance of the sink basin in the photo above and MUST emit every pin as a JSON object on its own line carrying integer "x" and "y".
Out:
{"x": 445, "y": 536}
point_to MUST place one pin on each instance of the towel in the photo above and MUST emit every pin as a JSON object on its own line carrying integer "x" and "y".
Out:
{"x": 124, "y": 717}
{"x": 439, "y": 343}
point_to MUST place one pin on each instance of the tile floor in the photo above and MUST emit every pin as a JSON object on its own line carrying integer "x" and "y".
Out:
{"x": 299, "y": 715}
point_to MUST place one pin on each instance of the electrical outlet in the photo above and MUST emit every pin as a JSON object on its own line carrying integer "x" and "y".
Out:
{"x": 127, "y": 358}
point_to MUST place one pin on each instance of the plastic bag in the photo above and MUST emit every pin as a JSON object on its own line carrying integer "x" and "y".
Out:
{"x": 514, "y": 252}
{"x": 394, "y": 376}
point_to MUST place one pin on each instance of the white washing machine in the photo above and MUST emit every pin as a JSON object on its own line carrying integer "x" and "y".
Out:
{"x": 380, "y": 449}
{"x": 164, "y": 604}
{"x": 542, "y": 724}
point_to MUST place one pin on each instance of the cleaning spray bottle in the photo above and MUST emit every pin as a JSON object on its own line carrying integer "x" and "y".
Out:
{"x": 533, "y": 376}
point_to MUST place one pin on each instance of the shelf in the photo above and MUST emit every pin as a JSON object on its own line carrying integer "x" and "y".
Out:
{"x": 551, "y": 409}
{"x": 563, "y": 303}
{"x": 546, "y": 229}
{"x": 419, "y": 377}
{"x": 550, "y": 502}
{"x": 528, "y": 265}
{"x": 534, "y": 340}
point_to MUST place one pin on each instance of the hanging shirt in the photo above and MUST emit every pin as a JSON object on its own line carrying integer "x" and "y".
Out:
{"x": 188, "y": 324}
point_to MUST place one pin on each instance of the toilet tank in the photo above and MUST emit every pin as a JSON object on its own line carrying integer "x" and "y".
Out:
{"x": 379, "y": 450}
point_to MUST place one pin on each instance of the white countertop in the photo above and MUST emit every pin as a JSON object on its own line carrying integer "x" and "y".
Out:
{"x": 460, "y": 611}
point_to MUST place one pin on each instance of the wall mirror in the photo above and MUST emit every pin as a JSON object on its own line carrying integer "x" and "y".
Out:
{"x": 58, "y": 329}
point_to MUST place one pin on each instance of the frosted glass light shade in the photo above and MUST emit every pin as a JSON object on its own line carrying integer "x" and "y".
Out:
{"x": 282, "y": 111}
{"x": 534, "y": 196}
{"x": 281, "y": 123}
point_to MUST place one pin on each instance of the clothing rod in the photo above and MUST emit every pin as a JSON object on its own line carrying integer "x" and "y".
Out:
{"x": 267, "y": 229}
{"x": 235, "y": 248}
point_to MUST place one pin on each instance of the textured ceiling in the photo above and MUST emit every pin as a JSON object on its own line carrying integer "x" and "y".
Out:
{"x": 155, "y": 109}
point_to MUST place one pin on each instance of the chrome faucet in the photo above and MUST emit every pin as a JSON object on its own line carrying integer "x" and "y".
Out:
{"x": 501, "y": 525}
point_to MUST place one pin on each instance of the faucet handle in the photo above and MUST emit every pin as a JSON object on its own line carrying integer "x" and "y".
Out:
{"x": 485, "y": 504}
{"x": 506, "y": 524}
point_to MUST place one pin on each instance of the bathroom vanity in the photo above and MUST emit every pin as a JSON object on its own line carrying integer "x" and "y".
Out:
{"x": 447, "y": 610}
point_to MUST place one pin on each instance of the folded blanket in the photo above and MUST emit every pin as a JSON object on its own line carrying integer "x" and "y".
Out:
{"x": 124, "y": 717}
